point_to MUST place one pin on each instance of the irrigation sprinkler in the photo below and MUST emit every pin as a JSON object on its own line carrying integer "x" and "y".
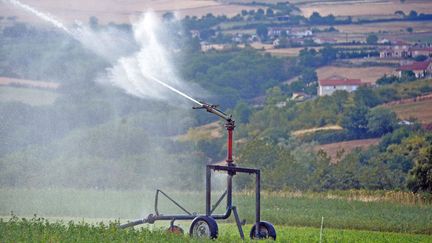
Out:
{"x": 205, "y": 225}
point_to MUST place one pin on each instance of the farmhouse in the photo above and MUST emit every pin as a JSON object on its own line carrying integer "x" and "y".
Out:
{"x": 325, "y": 40}
{"x": 420, "y": 69}
{"x": 331, "y": 84}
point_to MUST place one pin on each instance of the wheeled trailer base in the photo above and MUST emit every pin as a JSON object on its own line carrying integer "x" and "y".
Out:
{"x": 205, "y": 225}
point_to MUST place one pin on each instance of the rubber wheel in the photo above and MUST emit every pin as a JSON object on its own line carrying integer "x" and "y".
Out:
{"x": 204, "y": 227}
{"x": 175, "y": 230}
{"x": 266, "y": 230}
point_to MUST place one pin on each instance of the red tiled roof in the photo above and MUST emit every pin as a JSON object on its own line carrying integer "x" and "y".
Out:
{"x": 336, "y": 80}
{"x": 416, "y": 66}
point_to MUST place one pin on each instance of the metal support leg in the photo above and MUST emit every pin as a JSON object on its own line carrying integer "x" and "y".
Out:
{"x": 257, "y": 202}
{"x": 239, "y": 226}
{"x": 208, "y": 191}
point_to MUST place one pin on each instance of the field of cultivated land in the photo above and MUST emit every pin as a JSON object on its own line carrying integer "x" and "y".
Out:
{"x": 118, "y": 11}
{"x": 422, "y": 110}
{"x": 365, "y": 7}
{"x": 40, "y": 230}
{"x": 371, "y": 211}
{"x": 337, "y": 151}
{"x": 366, "y": 74}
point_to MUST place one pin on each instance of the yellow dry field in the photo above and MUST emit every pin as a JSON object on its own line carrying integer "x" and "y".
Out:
{"x": 117, "y": 11}
{"x": 366, "y": 74}
{"x": 5, "y": 81}
{"x": 366, "y": 8}
{"x": 316, "y": 129}
{"x": 388, "y": 27}
{"x": 286, "y": 52}
{"x": 422, "y": 110}
{"x": 337, "y": 151}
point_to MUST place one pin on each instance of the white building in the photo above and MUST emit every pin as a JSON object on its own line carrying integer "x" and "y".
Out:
{"x": 329, "y": 85}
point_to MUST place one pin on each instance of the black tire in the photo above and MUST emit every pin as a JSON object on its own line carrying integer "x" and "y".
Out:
{"x": 266, "y": 230}
{"x": 204, "y": 227}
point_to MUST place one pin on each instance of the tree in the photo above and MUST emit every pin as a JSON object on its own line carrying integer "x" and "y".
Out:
{"x": 94, "y": 23}
{"x": 262, "y": 32}
{"x": 269, "y": 12}
{"x": 355, "y": 120}
{"x": 400, "y": 13}
{"x": 309, "y": 75}
{"x": 315, "y": 18}
{"x": 409, "y": 29}
{"x": 244, "y": 12}
{"x": 366, "y": 96}
{"x": 372, "y": 39}
{"x": 412, "y": 14}
{"x": 168, "y": 16}
{"x": 420, "y": 176}
{"x": 381, "y": 121}
{"x": 242, "y": 112}
{"x": 420, "y": 58}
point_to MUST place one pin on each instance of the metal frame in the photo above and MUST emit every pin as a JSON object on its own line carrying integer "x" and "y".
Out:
{"x": 231, "y": 169}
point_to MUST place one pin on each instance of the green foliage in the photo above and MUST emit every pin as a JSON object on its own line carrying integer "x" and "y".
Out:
{"x": 277, "y": 164}
{"x": 381, "y": 121}
{"x": 355, "y": 120}
{"x": 420, "y": 176}
{"x": 262, "y": 32}
{"x": 372, "y": 39}
{"x": 235, "y": 75}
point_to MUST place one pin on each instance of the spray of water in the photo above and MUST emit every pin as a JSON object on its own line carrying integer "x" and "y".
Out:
{"x": 141, "y": 74}
{"x": 44, "y": 16}
{"x": 138, "y": 73}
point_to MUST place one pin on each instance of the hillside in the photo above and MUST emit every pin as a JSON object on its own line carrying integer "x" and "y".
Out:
{"x": 420, "y": 110}
{"x": 337, "y": 151}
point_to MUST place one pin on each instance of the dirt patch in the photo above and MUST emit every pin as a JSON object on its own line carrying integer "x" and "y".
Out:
{"x": 338, "y": 151}
{"x": 365, "y": 74}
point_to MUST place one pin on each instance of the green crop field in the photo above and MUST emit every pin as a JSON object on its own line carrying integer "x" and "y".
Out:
{"x": 42, "y": 230}
{"x": 356, "y": 216}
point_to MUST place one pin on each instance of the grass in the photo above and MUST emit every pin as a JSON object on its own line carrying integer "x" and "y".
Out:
{"x": 41, "y": 230}
{"x": 372, "y": 212}
{"x": 29, "y": 96}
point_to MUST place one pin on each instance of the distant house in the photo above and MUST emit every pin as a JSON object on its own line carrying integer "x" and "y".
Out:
{"x": 278, "y": 31}
{"x": 417, "y": 51}
{"x": 325, "y": 40}
{"x": 302, "y": 33}
{"x": 420, "y": 69}
{"x": 329, "y": 85}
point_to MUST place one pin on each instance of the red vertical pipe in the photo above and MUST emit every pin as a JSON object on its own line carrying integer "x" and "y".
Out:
{"x": 230, "y": 144}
